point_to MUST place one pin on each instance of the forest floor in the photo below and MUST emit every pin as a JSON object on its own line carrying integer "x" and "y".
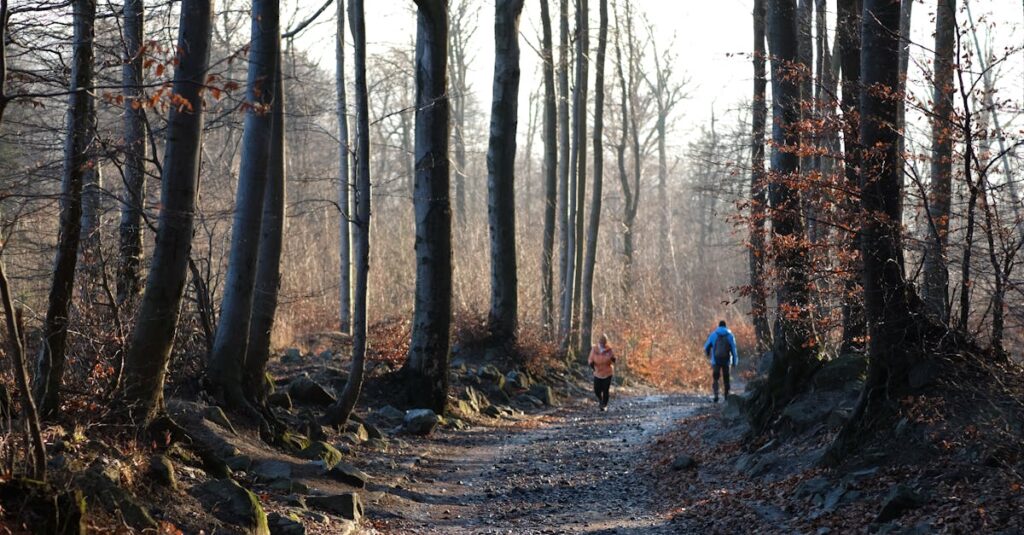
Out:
{"x": 570, "y": 469}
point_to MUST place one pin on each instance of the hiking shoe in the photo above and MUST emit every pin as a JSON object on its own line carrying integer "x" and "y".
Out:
{"x": 716, "y": 399}
{"x": 604, "y": 408}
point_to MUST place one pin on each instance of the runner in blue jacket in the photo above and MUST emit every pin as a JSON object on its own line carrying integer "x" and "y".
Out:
{"x": 721, "y": 351}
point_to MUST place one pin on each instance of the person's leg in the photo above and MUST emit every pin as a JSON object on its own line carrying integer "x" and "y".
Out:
{"x": 606, "y": 391}
{"x": 597, "y": 389}
{"x": 725, "y": 380}
{"x": 717, "y": 370}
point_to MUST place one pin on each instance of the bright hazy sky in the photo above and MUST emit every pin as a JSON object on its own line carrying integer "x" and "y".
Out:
{"x": 712, "y": 39}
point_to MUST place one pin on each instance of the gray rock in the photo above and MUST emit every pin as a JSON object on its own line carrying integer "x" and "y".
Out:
{"x": 321, "y": 451}
{"x": 233, "y": 504}
{"x": 357, "y": 429}
{"x": 349, "y": 475}
{"x": 304, "y": 390}
{"x": 838, "y": 373}
{"x": 763, "y": 464}
{"x": 545, "y": 394}
{"x": 346, "y": 505}
{"x": 490, "y": 373}
{"x": 161, "y": 469}
{"x": 833, "y": 499}
{"x": 377, "y": 444}
{"x": 216, "y": 415}
{"x": 808, "y": 410}
{"x": 529, "y": 401}
{"x": 372, "y": 431}
{"x": 285, "y": 525}
{"x": 420, "y": 421}
{"x": 389, "y": 414}
{"x": 683, "y": 462}
{"x": 268, "y": 471}
{"x": 815, "y": 486}
{"x": 900, "y": 499}
{"x": 516, "y": 380}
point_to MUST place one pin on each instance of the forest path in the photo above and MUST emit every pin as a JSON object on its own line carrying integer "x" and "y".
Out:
{"x": 572, "y": 469}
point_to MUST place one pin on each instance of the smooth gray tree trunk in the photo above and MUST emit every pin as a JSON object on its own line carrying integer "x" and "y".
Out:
{"x": 590, "y": 258}
{"x": 344, "y": 180}
{"x": 77, "y": 147}
{"x": 225, "y": 371}
{"x": 339, "y": 412}
{"x": 427, "y": 365}
{"x": 501, "y": 160}
{"x": 268, "y": 263}
{"x": 153, "y": 337}
{"x": 547, "y": 314}
{"x": 130, "y": 227}
{"x": 935, "y": 289}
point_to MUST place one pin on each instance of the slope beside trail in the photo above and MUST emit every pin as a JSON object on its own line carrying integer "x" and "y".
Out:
{"x": 572, "y": 469}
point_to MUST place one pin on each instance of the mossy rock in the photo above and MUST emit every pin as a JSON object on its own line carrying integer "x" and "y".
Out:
{"x": 322, "y": 451}
{"x": 293, "y": 441}
{"x": 161, "y": 469}
{"x": 233, "y": 504}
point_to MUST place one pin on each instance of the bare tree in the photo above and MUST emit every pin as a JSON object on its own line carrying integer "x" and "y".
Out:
{"x": 229, "y": 347}
{"x": 463, "y": 24}
{"x": 550, "y": 171}
{"x": 935, "y": 290}
{"x": 340, "y": 411}
{"x": 80, "y": 137}
{"x": 590, "y": 260}
{"x": 501, "y": 158}
{"x": 758, "y": 196}
{"x": 794, "y": 349}
{"x": 268, "y": 262}
{"x": 426, "y": 368}
{"x": 848, "y": 28}
{"x": 565, "y": 284}
{"x": 130, "y": 259}
{"x": 153, "y": 337}
{"x": 577, "y": 182}
{"x": 344, "y": 180}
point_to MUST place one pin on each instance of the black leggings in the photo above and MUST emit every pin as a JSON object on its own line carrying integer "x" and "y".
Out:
{"x": 724, "y": 372}
{"x": 601, "y": 388}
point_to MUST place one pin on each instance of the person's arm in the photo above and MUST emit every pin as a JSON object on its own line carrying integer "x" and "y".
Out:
{"x": 590, "y": 359}
{"x": 735, "y": 352}
{"x": 708, "y": 345}
{"x": 612, "y": 355}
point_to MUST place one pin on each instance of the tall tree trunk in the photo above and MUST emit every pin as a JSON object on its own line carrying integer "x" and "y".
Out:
{"x": 577, "y": 181}
{"x": 501, "y": 159}
{"x": 153, "y": 338}
{"x": 344, "y": 180}
{"x": 894, "y": 331}
{"x": 229, "y": 346}
{"x": 794, "y": 348}
{"x": 901, "y": 109}
{"x": 92, "y": 209}
{"x": 564, "y": 231}
{"x": 50, "y": 366}
{"x": 427, "y": 366}
{"x": 14, "y": 336}
{"x": 130, "y": 228}
{"x": 805, "y": 58}
{"x": 462, "y": 28}
{"x": 630, "y": 194}
{"x": 848, "y": 28}
{"x": 935, "y": 290}
{"x": 590, "y": 260}
{"x": 268, "y": 263}
{"x": 758, "y": 196}
{"x": 340, "y": 411}
{"x": 550, "y": 172}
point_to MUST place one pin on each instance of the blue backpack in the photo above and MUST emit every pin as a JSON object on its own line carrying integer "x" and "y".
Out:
{"x": 722, "y": 349}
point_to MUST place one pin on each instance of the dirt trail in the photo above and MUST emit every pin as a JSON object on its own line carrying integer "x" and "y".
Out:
{"x": 570, "y": 470}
